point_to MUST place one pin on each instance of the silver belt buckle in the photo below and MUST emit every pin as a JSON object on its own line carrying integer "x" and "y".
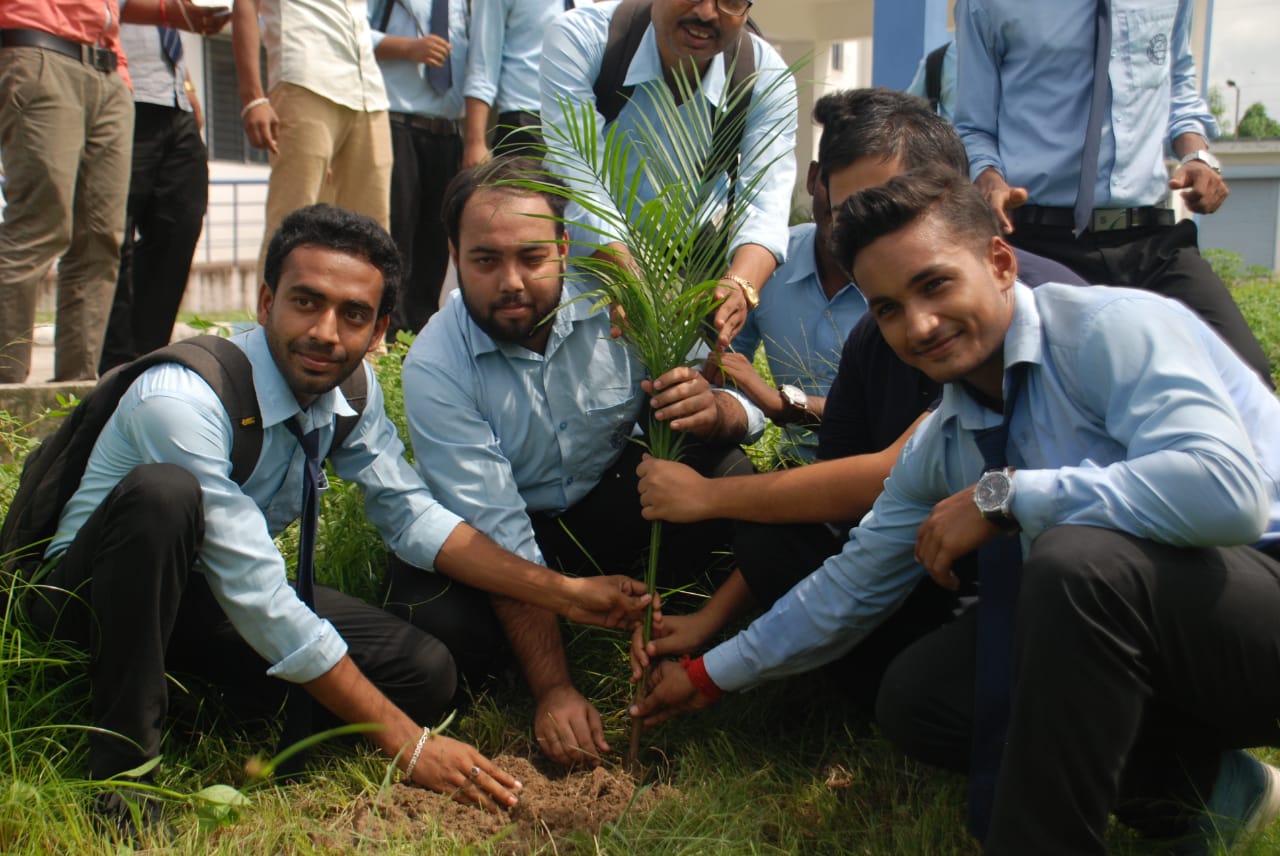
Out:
{"x": 1109, "y": 219}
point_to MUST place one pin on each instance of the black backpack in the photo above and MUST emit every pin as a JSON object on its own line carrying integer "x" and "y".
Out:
{"x": 52, "y": 472}
{"x": 626, "y": 29}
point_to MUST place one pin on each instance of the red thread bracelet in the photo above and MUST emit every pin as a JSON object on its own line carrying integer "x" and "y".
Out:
{"x": 697, "y": 672}
{"x": 164, "y": 14}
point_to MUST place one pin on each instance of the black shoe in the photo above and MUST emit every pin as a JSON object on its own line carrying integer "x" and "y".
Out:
{"x": 130, "y": 816}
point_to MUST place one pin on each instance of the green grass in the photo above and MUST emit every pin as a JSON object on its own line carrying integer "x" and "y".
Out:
{"x": 752, "y": 772}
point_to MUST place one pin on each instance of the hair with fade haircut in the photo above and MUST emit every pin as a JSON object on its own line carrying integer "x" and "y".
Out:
{"x": 884, "y": 124}
{"x": 341, "y": 230}
{"x": 517, "y": 175}
{"x": 870, "y": 214}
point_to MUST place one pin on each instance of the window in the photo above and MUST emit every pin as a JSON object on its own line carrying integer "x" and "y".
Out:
{"x": 837, "y": 56}
{"x": 227, "y": 141}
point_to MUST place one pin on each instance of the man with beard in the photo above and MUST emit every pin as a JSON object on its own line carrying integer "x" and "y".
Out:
{"x": 161, "y": 562}
{"x": 701, "y": 41}
{"x": 521, "y": 413}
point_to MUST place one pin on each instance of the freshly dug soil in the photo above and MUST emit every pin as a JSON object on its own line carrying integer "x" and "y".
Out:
{"x": 553, "y": 804}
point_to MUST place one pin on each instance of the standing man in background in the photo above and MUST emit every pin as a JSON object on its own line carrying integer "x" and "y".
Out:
{"x": 1097, "y": 198}
{"x": 503, "y": 70}
{"x": 421, "y": 46}
{"x": 323, "y": 116}
{"x": 65, "y": 138}
{"x": 168, "y": 195}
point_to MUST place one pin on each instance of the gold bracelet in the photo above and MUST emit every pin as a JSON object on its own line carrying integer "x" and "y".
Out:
{"x": 188, "y": 85}
{"x": 748, "y": 290}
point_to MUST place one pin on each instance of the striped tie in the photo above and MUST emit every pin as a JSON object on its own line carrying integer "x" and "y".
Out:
{"x": 171, "y": 42}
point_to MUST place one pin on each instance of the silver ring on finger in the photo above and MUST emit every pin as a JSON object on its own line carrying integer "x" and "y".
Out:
{"x": 475, "y": 772}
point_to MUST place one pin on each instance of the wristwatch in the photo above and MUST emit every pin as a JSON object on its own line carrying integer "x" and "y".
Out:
{"x": 749, "y": 292}
{"x": 795, "y": 403}
{"x": 1205, "y": 157}
{"x": 994, "y": 497}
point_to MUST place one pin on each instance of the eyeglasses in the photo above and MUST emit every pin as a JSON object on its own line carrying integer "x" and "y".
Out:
{"x": 735, "y": 8}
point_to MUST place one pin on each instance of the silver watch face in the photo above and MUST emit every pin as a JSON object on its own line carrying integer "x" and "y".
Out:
{"x": 794, "y": 396}
{"x": 1206, "y": 157}
{"x": 991, "y": 494}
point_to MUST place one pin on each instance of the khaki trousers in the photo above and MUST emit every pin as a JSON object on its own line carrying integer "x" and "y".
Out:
{"x": 328, "y": 153}
{"x": 66, "y": 134}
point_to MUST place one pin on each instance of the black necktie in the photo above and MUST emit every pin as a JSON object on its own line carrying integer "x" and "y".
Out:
{"x": 171, "y": 43}
{"x": 298, "y": 708}
{"x": 1098, "y": 105}
{"x": 441, "y": 77}
{"x": 999, "y": 568}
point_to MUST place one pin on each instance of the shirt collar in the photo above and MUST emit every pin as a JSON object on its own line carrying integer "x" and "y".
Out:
{"x": 1023, "y": 343}
{"x": 276, "y": 401}
{"x": 646, "y": 65}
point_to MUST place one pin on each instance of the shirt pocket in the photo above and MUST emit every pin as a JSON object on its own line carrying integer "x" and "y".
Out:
{"x": 1144, "y": 40}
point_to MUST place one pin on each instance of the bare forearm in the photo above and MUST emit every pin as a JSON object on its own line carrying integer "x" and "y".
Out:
{"x": 346, "y": 693}
{"x": 731, "y": 420}
{"x": 1185, "y": 144}
{"x": 396, "y": 47}
{"x": 476, "y": 123}
{"x": 246, "y": 44}
{"x": 473, "y": 559}
{"x": 753, "y": 263}
{"x": 535, "y": 638}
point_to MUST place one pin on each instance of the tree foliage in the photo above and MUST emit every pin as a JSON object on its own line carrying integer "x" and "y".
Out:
{"x": 1256, "y": 124}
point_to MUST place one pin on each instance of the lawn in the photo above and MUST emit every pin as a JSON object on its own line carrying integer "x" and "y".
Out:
{"x": 787, "y": 768}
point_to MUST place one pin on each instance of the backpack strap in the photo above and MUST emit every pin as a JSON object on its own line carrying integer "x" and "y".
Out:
{"x": 933, "y": 76}
{"x": 229, "y": 373}
{"x": 356, "y": 390}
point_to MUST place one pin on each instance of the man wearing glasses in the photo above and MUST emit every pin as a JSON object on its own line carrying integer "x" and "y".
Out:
{"x": 706, "y": 39}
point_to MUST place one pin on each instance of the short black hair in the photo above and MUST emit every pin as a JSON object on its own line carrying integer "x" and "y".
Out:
{"x": 342, "y": 230}
{"x": 884, "y": 124}
{"x": 518, "y": 175}
{"x": 870, "y": 214}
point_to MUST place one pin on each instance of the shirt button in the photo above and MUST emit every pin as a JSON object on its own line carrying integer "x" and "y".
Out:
{"x": 569, "y": 480}
{"x": 827, "y": 313}
{"x": 564, "y": 425}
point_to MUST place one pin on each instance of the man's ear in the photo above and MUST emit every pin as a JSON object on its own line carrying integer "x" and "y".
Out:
{"x": 811, "y": 180}
{"x": 379, "y": 331}
{"x": 453, "y": 254}
{"x": 265, "y": 298}
{"x": 1003, "y": 261}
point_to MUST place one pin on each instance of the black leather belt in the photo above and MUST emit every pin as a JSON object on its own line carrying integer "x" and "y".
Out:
{"x": 91, "y": 55}
{"x": 1101, "y": 220}
{"x": 430, "y": 124}
{"x": 519, "y": 119}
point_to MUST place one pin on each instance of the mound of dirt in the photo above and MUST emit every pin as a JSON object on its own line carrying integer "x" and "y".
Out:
{"x": 553, "y": 804}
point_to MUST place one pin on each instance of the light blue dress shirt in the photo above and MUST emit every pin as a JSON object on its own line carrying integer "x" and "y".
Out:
{"x": 170, "y": 415}
{"x": 407, "y": 87}
{"x": 1133, "y": 416}
{"x": 499, "y": 431}
{"x": 1026, "y": 74}
{"x": 507, "y": 51}
{"x": 947, "y": 83}
{"x": 571, "y": 60}
{"x": 802, "y": 331}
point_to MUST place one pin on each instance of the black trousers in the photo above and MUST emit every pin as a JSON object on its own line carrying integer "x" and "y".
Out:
{"x": 125, "y": 592}
{"x": 168, "y": 195}
{"x": 1137, "y": 665}
{"x": 604, "y": 529}
{"x": 518, "y": 133}
{"x": 1163, "y": 259}
{"x": 424, "y": 162}
{"x": 773, "y": 558}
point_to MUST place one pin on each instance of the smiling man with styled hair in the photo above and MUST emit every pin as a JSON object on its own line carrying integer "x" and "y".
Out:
{"x": 163, "y": 559}
{"x": 1115, "y": 465}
